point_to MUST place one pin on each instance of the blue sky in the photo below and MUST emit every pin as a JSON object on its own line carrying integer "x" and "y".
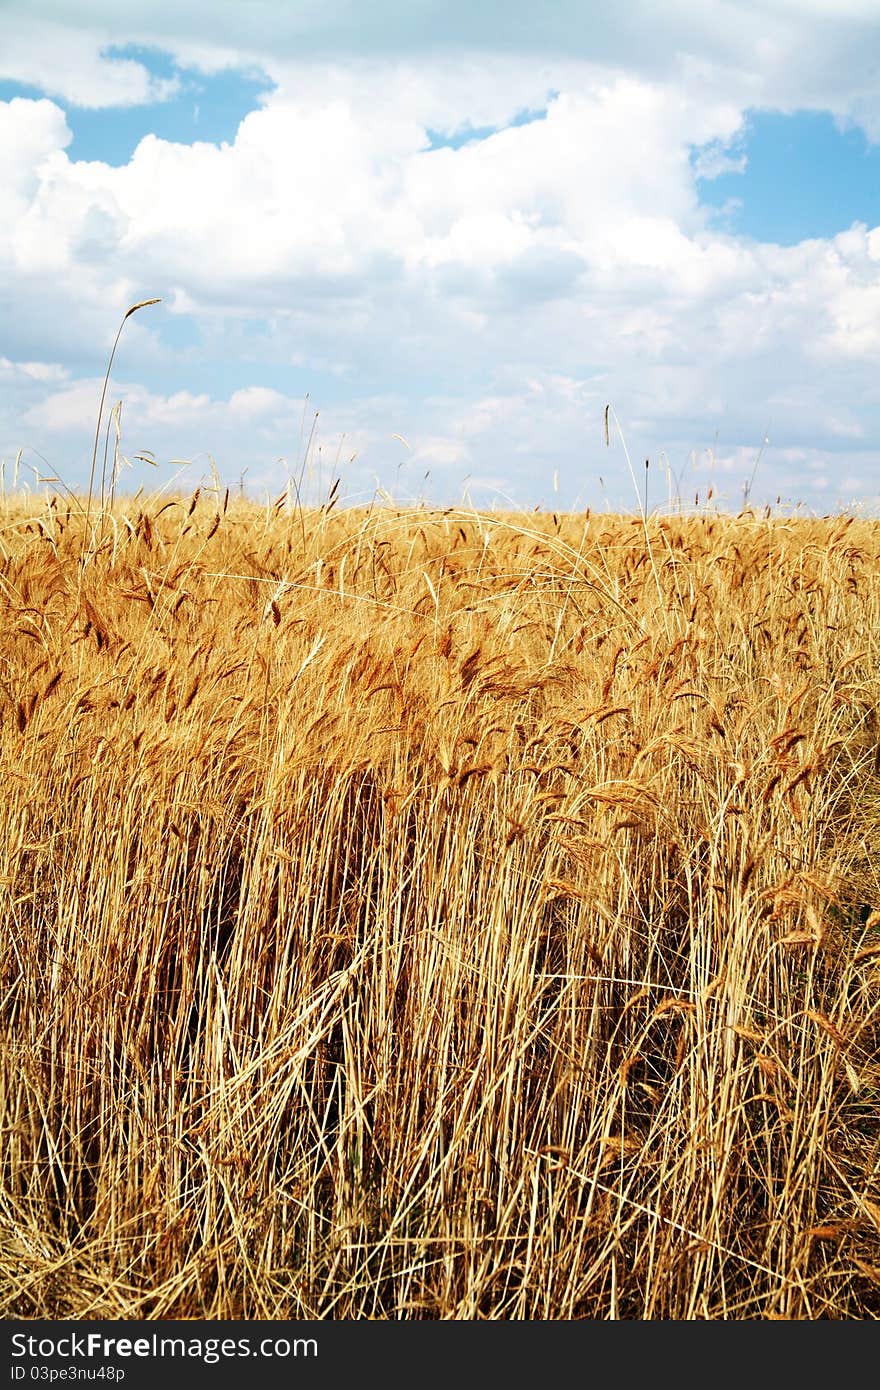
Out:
{"x": 448, "y": 237}
{"x": 802, "y": 176}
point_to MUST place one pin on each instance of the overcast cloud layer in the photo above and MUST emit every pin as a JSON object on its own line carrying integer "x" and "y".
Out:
{"x": 463, "y": 311}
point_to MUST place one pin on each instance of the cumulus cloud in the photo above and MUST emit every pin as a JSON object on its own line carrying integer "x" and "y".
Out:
{"x": 778, "y": 54}
{"x": 483, "y": 245}
{"x": 74, "y": 63}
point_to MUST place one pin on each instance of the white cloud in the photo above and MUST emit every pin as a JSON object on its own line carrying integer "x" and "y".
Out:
{"x": 503, "y": 290}
{"x": 31, "y": 133}
{"x": 72, "y": 408}
{"x": 312, "y": 193}
{"x": 255, "y": 401}
{"x": 715, "y": 159}
{"x": 33, "y": 371}
{"x": 72, "y": 63}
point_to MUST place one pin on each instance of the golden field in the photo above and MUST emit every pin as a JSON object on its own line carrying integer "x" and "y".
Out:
{"x": 438, "y": 915}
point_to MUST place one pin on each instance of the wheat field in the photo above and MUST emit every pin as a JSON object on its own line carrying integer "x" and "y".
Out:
{"x": 419, "y": 914}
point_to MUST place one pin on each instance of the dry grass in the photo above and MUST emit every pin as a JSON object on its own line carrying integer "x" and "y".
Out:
{"x": 438, "y": 915}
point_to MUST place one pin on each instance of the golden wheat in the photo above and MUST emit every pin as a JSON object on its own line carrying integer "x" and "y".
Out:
{"x": 432, "y": 914}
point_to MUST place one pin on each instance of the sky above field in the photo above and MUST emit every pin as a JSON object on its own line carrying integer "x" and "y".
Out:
{"x": 421, "y": 246}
